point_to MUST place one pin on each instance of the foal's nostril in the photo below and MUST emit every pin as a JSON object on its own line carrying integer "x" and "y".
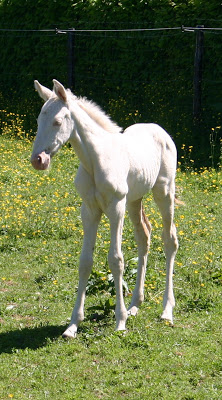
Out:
{"x": 41, "y": 161}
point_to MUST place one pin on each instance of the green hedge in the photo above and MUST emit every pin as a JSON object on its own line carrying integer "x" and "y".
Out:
{"x": 135, "y": 76}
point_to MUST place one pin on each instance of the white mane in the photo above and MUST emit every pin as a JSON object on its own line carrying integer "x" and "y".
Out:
{"x": 96, "y": 113}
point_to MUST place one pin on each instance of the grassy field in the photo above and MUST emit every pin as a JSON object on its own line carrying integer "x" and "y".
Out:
{"x": 40, "y": 243}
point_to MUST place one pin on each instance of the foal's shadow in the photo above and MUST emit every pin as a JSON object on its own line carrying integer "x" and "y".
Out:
{"x": 31, "y": 338}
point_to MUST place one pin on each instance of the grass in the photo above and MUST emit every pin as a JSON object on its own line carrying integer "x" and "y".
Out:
{"x": 40, "y": 243}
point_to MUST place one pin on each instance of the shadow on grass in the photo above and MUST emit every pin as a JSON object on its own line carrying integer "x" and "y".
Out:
{"x": 28, "y": 338}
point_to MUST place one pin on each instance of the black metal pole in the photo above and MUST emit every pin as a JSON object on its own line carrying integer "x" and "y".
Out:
{"x": 71, "y": 59}
{"x": 198, "y": 67}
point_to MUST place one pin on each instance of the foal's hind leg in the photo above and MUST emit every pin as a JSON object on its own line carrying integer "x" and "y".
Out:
{"x": 115, "y": 212}
{"x": 164, "y": 197}
{"x": 90, "y": 222}
{"x": 142, "y": 229}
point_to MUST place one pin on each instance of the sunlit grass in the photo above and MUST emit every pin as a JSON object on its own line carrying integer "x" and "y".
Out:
{"x": 40, "y": 242}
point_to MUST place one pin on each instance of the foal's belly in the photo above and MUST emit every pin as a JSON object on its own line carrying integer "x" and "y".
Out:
{"x": 140, "y": 184}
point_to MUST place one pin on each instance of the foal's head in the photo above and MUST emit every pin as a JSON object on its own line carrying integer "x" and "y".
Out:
{"x": 54, "y": 124}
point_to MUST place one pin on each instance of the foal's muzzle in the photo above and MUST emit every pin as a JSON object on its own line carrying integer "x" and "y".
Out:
{"x": 40, "y": 161}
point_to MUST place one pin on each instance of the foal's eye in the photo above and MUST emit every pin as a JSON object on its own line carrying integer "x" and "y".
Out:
{"x": 57, "y": 122}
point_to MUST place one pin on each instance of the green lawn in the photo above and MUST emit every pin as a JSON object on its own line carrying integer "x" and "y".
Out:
{"x": 40, "y": 243}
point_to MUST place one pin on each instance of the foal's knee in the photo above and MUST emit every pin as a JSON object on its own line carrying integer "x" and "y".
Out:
{"x": 170, "y": 238}
{"x": 85, "y": 264}
{"x": 116, "y": 262}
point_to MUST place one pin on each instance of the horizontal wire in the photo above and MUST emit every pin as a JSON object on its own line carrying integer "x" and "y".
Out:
{"x": 56, "y": 30}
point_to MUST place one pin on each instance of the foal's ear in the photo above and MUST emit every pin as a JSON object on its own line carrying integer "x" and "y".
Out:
{"x": 43, "y": 91}
{"x": 60, "y": 90}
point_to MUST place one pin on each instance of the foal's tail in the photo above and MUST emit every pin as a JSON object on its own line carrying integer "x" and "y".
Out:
{"x": 146, "y": 225}
{"x": 178, "y": 202}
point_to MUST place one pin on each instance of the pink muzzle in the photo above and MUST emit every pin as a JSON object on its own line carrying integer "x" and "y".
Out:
{"x": 40, "y": 161}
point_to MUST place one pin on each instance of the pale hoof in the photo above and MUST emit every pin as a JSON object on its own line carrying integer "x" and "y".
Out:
{"x": 167, "y": 316}
{"x": 121, "y": 327}
{"x": 132, "y": 311}
{"x": 69, "y": 334}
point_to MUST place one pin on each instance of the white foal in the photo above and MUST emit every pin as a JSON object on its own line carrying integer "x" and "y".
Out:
{"x": 116, "y": 170}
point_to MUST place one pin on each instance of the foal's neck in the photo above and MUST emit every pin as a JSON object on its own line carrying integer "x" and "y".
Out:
{"x": 85, "y": 137}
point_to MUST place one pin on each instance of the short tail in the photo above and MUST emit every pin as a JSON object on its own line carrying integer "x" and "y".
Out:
{"x": 179, "y": 202}
{"x": 146, "y": 223}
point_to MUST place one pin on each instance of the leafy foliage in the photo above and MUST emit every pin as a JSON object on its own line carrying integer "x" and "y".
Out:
{"x": 135, "y": 76}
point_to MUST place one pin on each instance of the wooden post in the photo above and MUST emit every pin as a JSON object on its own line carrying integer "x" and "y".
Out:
{"x": 71, "y": 59}
{"x": 198, "y": 67}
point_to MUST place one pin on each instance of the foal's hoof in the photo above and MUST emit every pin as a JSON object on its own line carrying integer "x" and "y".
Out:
{"x": 167, "y": 318}
{"x": 69, "y": 334}
{"x": 132, "y": 311}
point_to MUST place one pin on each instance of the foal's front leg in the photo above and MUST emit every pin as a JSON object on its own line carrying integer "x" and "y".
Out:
{"x": 115, "y": 213}
{"x": 90, "y": 225}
